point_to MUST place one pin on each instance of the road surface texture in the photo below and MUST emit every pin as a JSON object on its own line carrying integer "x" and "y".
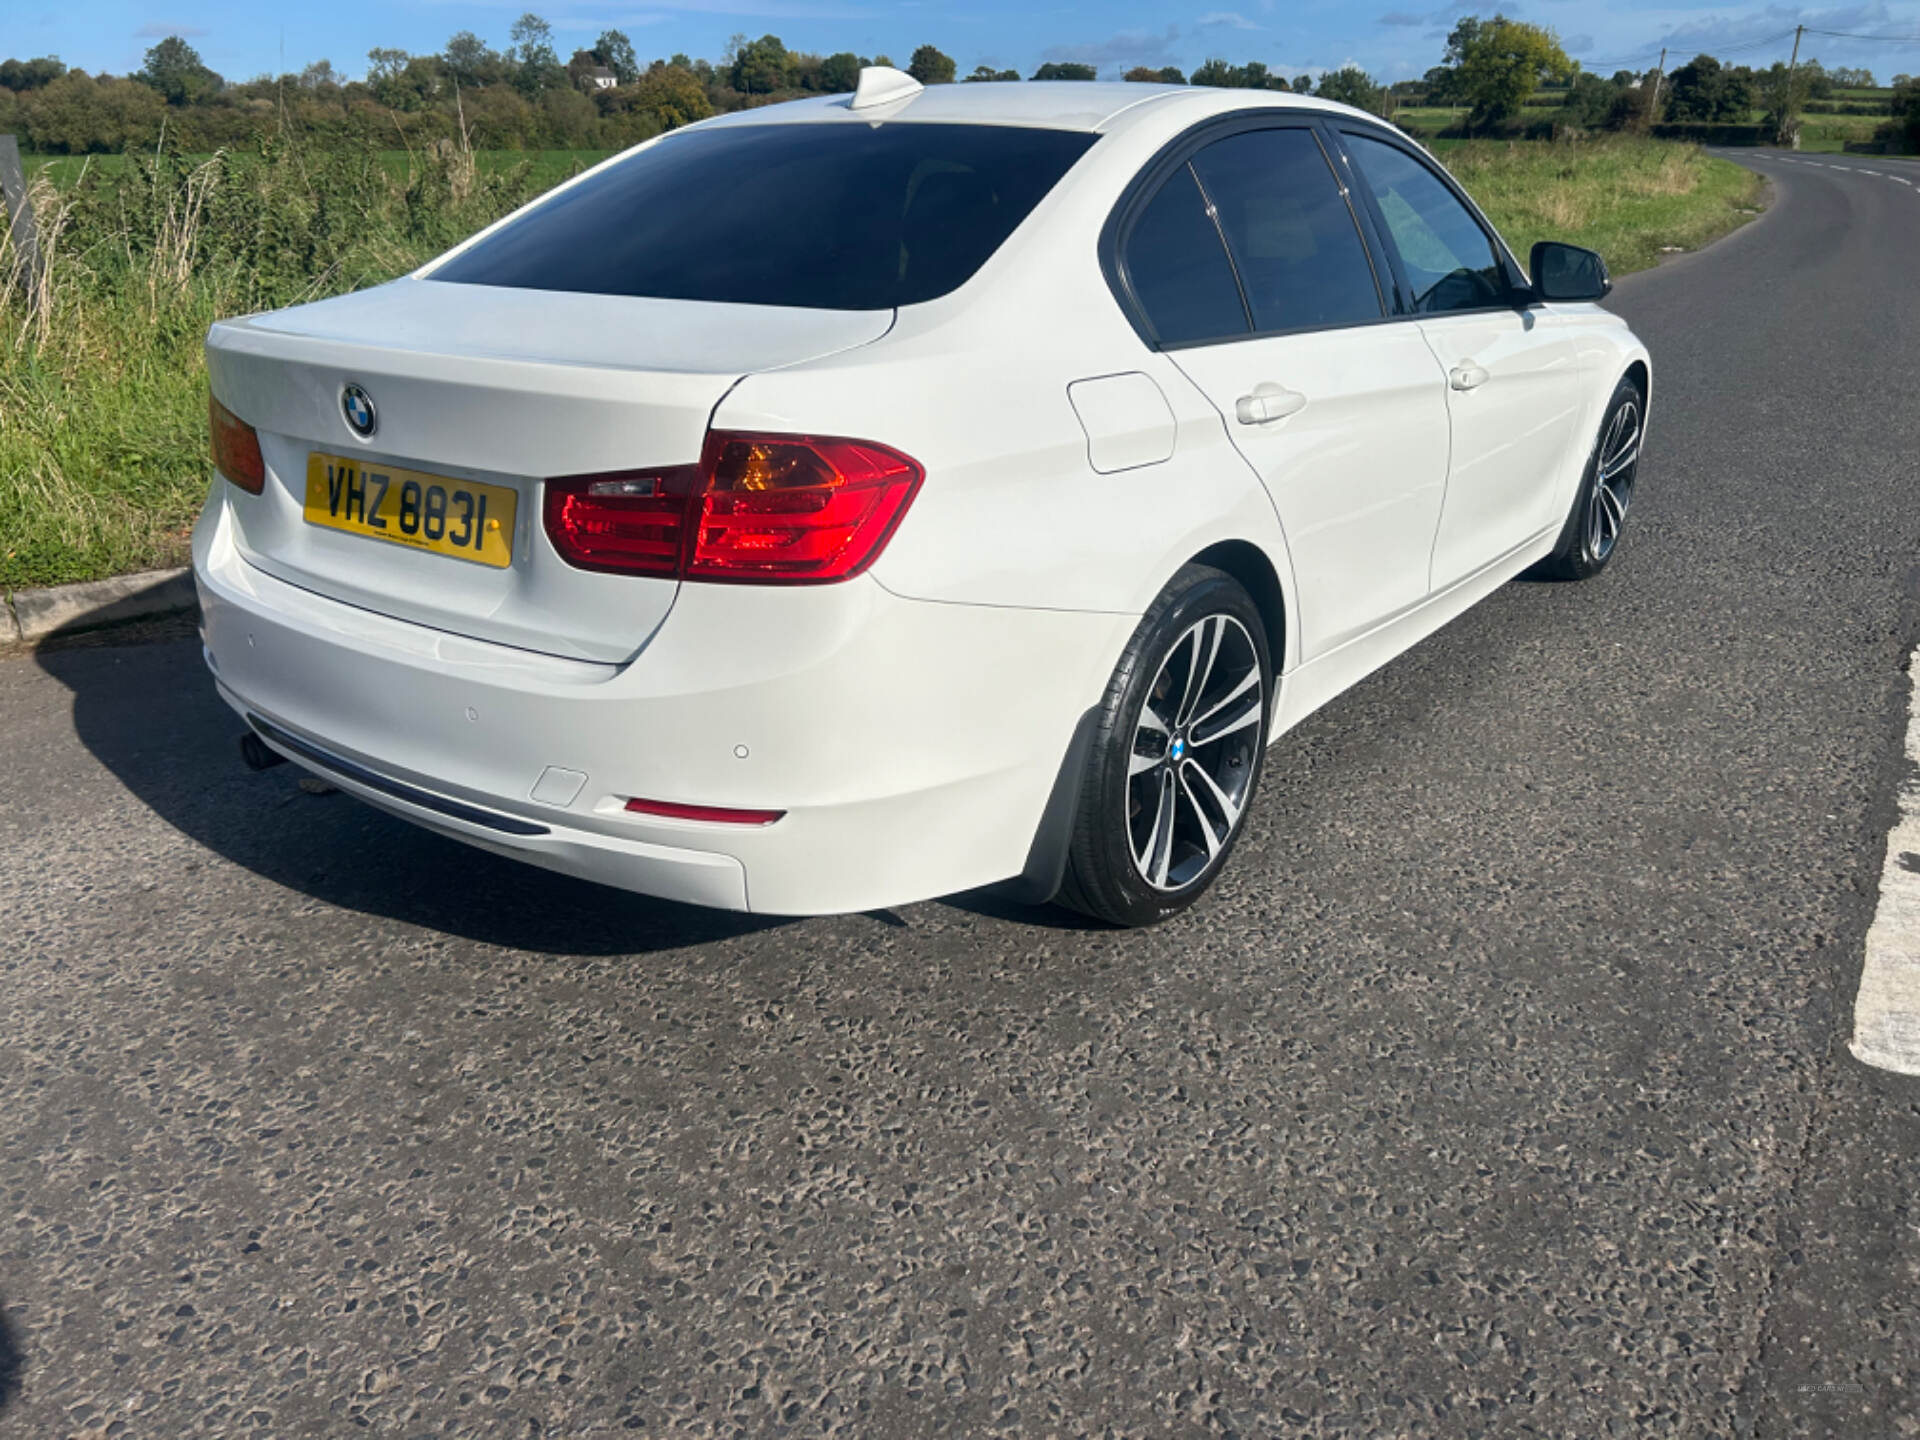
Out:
{"x": 1501, "y": 1087}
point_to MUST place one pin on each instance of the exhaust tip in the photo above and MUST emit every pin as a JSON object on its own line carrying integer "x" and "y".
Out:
{"x": 257, "y": 754}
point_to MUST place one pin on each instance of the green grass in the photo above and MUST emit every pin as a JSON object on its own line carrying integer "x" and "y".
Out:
{"x": 103, "y": 385}
{"x": 1629, "y": 199}
{"x": 1832, "y": 132}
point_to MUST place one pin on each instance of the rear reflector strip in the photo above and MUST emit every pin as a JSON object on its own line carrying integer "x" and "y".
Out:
{"x": 715, "y": 814}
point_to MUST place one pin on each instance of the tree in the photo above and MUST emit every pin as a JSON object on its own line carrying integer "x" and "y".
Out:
{"x": 320, "y": 75}
{"x": 23, "y": 75}
{"x": 538, "y": 68}
{"x": 173, "y": 68}
{"x": 1781, "y": 94}
{"x": 1147, "y": 75}
{"x": 470, "y": 60}
{"x": 759, "y": 66}
{"x": 930, "y": 67}
{"x": 1351, "y": 85}
{"x": 1253, "y": 75}
{"x": 1705, "y": 90}
{"x": 671, "y": 94}
{"x": 1065, "y": 70}
{"x": 615, "y": 51}
{"x": 987, "y": 72}
{"x": 385, "y": 66}
{"x": 840, "y": 72}
{"x": 1905, "y": 105}
{"x": 1500, "y": 62}
{"x": 1303, "y": 84}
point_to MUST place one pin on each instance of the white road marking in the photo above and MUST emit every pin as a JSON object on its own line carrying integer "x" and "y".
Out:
{"x": 1886, "y": 1013}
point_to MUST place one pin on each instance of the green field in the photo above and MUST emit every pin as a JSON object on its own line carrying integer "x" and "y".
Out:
{"x": 102, "y": 382}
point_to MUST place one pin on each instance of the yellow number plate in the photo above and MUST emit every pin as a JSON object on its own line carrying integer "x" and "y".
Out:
{"x": 461, "y": 518}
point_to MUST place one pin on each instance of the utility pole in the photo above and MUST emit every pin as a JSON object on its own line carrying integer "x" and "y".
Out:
{"x": 1653, "y": 111}
{"x": 18, "y": 213}
{"x": 1786, "y": 101}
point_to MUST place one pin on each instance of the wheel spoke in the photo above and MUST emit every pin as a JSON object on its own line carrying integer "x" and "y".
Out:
{"x": 1151, "y": 721}
{"x": 1622, "y": 445}
{"x": 1620, "y": 464}
{"x": 1610, "y": 507}
{"x": 1161, "y": 852}
{"x": 1202, "y": 669}
{"x": 1139, "y": 764}
{"x": 1251, "y": 678}
{"x": 1247, "y": 714}
{"x": 1229, "y": 809}
{"x": 1200, "y": 815}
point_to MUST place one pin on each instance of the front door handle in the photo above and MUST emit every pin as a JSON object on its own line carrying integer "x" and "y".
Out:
{"x": 1467, "y": 375}
{"x": 1267, "y": 403}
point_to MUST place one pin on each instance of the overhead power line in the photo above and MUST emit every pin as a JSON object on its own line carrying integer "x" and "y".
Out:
{"x": 1855, "y": 35}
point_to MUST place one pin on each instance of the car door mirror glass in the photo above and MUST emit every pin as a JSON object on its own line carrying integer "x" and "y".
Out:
{"x": 1567, "y": 272}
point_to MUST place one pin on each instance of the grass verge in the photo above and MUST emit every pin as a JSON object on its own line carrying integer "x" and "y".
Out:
{"x": 103, "y": 385}
{"x": 1629, "y": 199}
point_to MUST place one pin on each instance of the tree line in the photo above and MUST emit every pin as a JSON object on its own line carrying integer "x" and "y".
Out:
{"x": 602, "y": 97}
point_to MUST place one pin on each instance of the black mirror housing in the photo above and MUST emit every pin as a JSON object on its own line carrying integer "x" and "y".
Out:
{"x": 1567, "y": 272}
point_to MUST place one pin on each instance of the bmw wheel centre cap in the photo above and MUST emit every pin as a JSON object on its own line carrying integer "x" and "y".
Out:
{"x": 357, "y": 406}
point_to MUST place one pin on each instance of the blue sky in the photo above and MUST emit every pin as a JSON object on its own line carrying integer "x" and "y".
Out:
{"x": 1392, "y": 38}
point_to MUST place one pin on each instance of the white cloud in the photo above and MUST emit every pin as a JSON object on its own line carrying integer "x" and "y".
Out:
{"x": 1231, "y": 19}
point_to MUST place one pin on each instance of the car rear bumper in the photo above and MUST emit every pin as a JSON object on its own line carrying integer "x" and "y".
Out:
{"x": 913, "y": 746}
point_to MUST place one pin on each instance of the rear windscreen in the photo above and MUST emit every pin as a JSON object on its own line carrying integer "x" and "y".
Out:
{"x": 831, "y": 216}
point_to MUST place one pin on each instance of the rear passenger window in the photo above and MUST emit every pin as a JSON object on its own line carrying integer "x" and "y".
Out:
{"x": 1178, "y": 270}
{"x": 1294, "y": 240}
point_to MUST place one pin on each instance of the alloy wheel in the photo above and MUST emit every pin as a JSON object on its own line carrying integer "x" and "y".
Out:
{"x": 1614, "y": 465}
{"x": 1192, "y": 765}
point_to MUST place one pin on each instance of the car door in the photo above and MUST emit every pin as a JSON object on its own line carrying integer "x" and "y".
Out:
{"x": 1512, "y": 370}
{"x": 1250, "y": 270}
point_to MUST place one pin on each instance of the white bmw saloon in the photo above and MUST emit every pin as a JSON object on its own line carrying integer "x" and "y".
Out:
{"x": 868, "y": 498}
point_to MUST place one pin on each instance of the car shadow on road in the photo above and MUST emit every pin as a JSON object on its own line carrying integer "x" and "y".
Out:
{"x": 149, "y": 714}
{"x": 13, "y": 1362}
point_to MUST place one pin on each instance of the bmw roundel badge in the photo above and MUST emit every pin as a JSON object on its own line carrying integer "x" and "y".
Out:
{"x": 357, "y": 406}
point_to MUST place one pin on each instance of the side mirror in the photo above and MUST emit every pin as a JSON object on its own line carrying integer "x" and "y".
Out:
{"x": 1566, "y": 272}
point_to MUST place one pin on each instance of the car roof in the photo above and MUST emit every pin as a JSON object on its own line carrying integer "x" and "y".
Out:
{"x": 1052, "y": 104}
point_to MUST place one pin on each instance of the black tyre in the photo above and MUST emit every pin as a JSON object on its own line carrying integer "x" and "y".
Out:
{"x": 1592, "y": 531}
{"x": 1176, "y": 754}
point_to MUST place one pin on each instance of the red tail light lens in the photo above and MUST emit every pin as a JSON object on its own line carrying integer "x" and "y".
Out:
{"x": 632, "y": 523}
{"x": 767, "y": 509}
{"x": 236, "y": 448}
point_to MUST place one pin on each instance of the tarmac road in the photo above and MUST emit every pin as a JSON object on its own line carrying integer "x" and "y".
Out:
{"x": 1500, "y": 1087}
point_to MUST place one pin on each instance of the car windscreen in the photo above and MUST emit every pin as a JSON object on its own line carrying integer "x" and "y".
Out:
{"x": 826, "y": 215}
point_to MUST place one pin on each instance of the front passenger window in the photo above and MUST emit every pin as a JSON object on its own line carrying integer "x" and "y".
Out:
{"x": 1449, "y": 260}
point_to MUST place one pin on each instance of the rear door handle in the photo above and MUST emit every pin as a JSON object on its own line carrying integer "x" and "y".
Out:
{"x": 1267, "y": 403}
{"x": 1467, "y": 375}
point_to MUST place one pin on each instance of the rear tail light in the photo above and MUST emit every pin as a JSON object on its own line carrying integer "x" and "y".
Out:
{"x": 236, "y": 448}
{"x": 767, "y": 509}
{"x": 721, "y": 814}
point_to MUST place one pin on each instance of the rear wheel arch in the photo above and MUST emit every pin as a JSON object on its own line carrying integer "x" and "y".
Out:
{"x": 1251, "y": 566}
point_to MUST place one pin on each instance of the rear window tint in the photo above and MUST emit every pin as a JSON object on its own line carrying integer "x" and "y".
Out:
{"x": 1179, "y": 269}
{"x": 829, "y": 216}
